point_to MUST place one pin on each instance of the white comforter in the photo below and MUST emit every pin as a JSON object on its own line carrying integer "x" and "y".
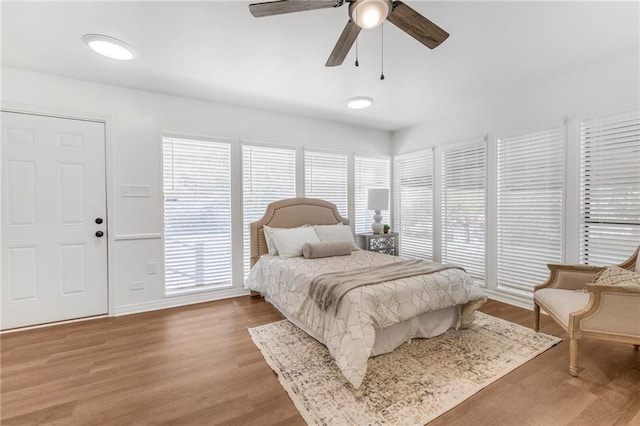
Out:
{"x": 349, "y": 334}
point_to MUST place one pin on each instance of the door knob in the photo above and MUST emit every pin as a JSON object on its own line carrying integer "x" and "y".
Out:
{"x": 99, "y": 220}
{"x": 99, "y": 234}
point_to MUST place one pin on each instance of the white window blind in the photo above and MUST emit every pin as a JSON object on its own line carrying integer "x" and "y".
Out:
{"x": 463, "y": 206}
{"x": 325, "y": 177}
{"x": 268, "y": 175}
{"x": 413, "y": 201}
{"x": 370, "y": 173}
{"x": 530, "y": 191}
{"x": 610, "y": 188}
{"x": 197, "y": 214}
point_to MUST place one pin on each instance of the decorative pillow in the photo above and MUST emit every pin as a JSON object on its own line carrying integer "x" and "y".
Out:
{"x": 638, "y": 263}
{"x": 615, "y": 275}
{"x": 326, "y": 249}
{"x": 330, "y": 233}
{"x": 289, "y": 241}
{"x": 337, "y": 224}
{"x": 271, "y": 246}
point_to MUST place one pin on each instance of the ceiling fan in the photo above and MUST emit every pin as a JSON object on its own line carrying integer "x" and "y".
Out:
{"x": 363, "y": 14}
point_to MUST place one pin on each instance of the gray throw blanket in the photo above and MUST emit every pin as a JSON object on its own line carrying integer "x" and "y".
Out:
{"x": 327, "y": 290}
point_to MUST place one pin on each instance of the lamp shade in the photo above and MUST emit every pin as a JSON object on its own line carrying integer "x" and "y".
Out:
{"x": 378, "y": 199}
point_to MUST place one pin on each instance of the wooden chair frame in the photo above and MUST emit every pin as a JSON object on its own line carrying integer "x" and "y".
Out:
{"x": 576, "y": 277}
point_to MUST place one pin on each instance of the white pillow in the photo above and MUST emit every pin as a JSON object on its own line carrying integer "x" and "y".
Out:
{"x": 271, "y": 246}
{"x": 335, "y": 233}
{"x": 289, "y": 242}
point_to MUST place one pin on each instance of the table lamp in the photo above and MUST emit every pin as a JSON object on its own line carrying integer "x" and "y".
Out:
{"x": 378, "y": 200}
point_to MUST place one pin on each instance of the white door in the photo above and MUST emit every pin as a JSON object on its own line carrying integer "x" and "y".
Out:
{"x": 54, "y": 251}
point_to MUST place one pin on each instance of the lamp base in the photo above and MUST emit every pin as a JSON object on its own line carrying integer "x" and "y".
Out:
{"x": 377, "y": 226}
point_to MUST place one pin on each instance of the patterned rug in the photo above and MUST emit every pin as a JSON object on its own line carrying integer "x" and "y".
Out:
{"x": 412, "y": 385}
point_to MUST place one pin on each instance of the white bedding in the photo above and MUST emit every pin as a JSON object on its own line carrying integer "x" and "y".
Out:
{"x": 350, "y": 333}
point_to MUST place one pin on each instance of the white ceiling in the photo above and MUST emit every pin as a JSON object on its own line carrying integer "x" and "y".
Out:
{"x": 218, "y": 51}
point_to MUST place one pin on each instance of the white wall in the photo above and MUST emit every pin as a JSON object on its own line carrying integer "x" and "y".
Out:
{"x": 604, "y": 88}
{"x": 136, "y": 120}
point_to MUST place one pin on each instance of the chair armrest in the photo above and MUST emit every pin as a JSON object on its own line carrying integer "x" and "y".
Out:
{"x": 569, "y": 277}
{"x": 599, "y": 288}
{"x": 612, "y": 310}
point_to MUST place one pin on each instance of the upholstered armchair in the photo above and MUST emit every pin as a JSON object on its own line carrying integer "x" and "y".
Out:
{"x": 584, "y": 309}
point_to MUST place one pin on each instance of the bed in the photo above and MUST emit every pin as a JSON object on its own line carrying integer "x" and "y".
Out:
{"x": 370, "y": 320}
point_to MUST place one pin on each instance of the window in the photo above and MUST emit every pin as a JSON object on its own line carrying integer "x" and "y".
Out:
{"x": 413, "y": 211}
{"x": 610, "y": 188}
{"x": 530, "y": 191}
{"x": 268, "y": 175}
{"x": 325, "y": 177}
{"x": 197, "y": 214}
{"x": 463, "y": 206}
{"x": 369, "y": 173}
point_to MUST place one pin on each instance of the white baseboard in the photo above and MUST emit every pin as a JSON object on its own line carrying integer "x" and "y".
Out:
{"x": 189, "y": 299}
{"x": 175, "y": 301}
{"x": 521, "y": 302}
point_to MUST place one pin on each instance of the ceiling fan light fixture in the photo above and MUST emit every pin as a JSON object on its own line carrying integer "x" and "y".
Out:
{"x": 359, "y": 102}
{"x": 369, "y": 14}
{"x": 109, "y": 47}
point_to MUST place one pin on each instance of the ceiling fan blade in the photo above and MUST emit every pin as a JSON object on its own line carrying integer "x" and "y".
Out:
{"x": 416, "y": 25}
{"x": 342, "y": 47}
{"x": 289, "y": 6}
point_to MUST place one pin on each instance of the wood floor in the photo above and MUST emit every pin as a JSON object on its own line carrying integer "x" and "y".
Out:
{"x": 197, "y": 366}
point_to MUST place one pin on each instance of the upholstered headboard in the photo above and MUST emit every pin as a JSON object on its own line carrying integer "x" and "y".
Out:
{"x": 290, "y": 213}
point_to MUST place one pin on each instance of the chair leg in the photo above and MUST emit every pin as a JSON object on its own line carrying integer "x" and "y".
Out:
{"x": 573, "y": 357}
{"x": 636, "y": 347}
{"x": 536, "y": 317}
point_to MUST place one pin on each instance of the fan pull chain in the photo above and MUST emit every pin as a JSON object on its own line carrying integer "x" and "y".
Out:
{"x": 357, "y": 63}
{"x": 382, "y": 51}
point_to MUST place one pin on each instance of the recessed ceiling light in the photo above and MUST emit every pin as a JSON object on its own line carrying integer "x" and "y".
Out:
{"x": 109, "y": 47}
{"x": 359, "y": 102}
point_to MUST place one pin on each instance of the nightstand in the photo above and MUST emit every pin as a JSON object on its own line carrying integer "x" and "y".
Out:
{"x": 381, "y": 243}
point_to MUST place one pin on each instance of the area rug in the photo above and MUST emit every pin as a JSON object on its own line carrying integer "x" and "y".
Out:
{"x": 412, "y": 385}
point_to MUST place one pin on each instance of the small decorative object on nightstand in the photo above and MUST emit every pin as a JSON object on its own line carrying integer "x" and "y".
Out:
{"x": 381, "y": 243}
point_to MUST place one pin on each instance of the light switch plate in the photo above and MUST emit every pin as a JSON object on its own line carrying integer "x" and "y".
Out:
{"x": 152, "y": 268}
